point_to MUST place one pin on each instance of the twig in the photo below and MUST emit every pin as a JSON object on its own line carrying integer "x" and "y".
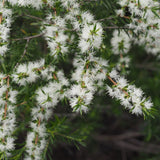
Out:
{"x": 3, "y": 2}
{"x": 103, "y": 19}
{"x": 25, "y": 50}
{"x": 30, "y": 37}
{"x": 116, "y": 85}
{"x": 34, "y": 17}
{"x": 39, "y": 123}
{"x": 5, "y": 110}
{"x": 112, "y": 80}
{"x": 115, "y": 27}
{"x": 21, "y": 103}
{"x": 1, "y": 15}
{"x": 36, "y": 139}
{"x": 88, "y": 1}
{"x": 1, "y": 18}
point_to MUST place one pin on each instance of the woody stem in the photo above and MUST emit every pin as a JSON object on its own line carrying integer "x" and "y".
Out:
{"x": 116, "y": 85}
{"x": 5, "y": 110}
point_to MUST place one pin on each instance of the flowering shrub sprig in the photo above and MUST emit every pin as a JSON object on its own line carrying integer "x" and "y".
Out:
{"x": 67, "y": 29}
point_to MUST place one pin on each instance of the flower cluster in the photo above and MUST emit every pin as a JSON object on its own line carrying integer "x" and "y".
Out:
{"x": 129, "y": 96}
{"x": 88, "y": 30}
{"x": 7, "y": 115}
{"x": 47, "y": 98}
{"x": 120, "y": 42}
{"x": 30, "y": 3}
{"x": 27, "y": 73}
{"x": 88, "y": 69}
{"x": 5, "y": 23}
{"x": 89, "y": 75}
{"x": 144, "y": 25}
{"x": 55, "y": 36}
{"x": 91, "y": 37}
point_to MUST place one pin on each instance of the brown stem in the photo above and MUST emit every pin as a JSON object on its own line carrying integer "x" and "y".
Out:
{"x": 103, "y": 19}
{"x": 116, "y": 85}
{"x": 121, "y": 56}
{"x": 112, "y": 80}
{"x": 5, "y": 77}
{"x": 126, "y": 17}
{"x": 34, "y": 17}
{"x": 116, "y": 27}
{"x": 21, "y": 103}
{"x": 30, "y": 37}
{"x": 1, "y": 18}
{"x": 55, "y": 77}
{"x": 5, "y": 110}
{"x": 3, "y": 2}
{"x": 24, "y": 53}
{"x": 39, "y": 122}
{"x": 36, "y": 140}
{"x": 55, "y": 12}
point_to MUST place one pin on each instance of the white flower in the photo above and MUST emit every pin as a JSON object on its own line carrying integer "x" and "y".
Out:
{"x": 84, "y": 45}
{"x": 131, "y": 97}
{"x": 114, "y": 74}
{"x": 26, "y": 73}
{"x": 120, "y": 42}
{"x": 10, "y": 143}
{"x": 12, "y": 96}
{"x": 122, "y": 82}
{"x": 148, "y": 104}
{"x": 87, "y": 17}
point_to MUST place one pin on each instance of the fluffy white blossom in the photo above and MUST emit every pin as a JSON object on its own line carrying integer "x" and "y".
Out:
{"x": 91, "y": 37}
{"x": 120, "y": 42}
{"x": 27, "y": 3}
{"x": 88, "y": 74}
{"x": 55, "y": 36}
{"x": 129, "y": 96}
{"x": 4, "y": 28}
{"x": 144, "y": 22}
{"x": 47, "y": 98}
{"x": 7, "y": 115}
{"x": 27, "y": 73}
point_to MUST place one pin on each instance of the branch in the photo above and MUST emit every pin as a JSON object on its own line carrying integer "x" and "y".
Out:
{"x": 1, "y": 16}
{"x": 5, "y": 110}
{"x": 30, "y": 37}
{"x": 34, "y": 17}
{"x": 103, "y": 19}
{"x": 115, "y": 27}
{"x": 116, "y": 85}
{"x": 24, "y": 53}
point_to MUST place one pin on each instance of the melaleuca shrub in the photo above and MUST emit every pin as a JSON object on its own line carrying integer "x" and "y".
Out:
{"x": 31, "y": 75}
